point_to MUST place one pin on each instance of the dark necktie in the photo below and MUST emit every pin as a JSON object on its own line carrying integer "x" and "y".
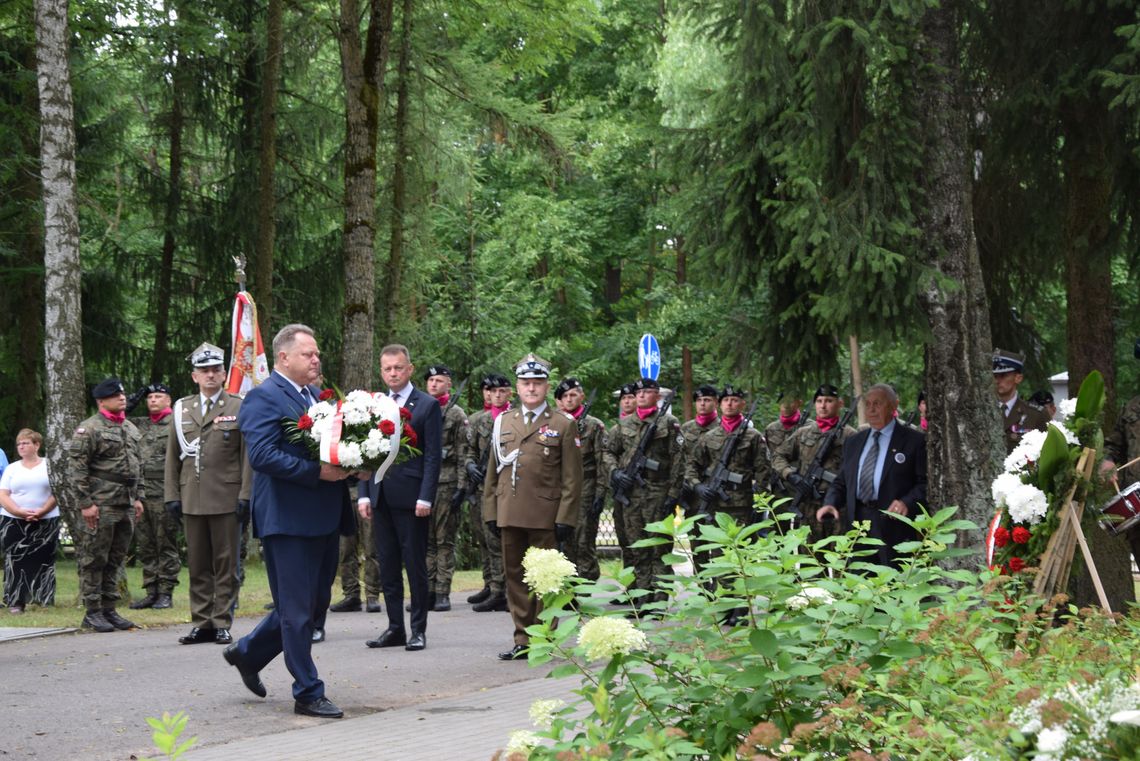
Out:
{"x": 307, "y": 397}
{"x": 867, "y": 472}
{"x": 529, "y": 419}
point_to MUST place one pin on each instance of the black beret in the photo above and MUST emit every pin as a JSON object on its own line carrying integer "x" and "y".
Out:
{"x": 436, "y": 370}
{"x": 705, "y": 389}
{"x": 731, "y": 390}
{"x": 1041, "y": 398}
{"x": 921, "y": 397}
{"x": 566, "y": 385}
{"x": 106, "y": 388}
{"x": 646, "y": 383}
{"x": 495, "y": 380}
{"x": 628, "y": 389}
{"x": 157, "y": 388}
{"x": 826, "y": 390}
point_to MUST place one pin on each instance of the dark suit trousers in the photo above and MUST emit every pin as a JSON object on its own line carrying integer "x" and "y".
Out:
{"x": 524, "y": 606}
{"x": 886, "y": 527}
{"x": 401, "y": 543}
{"x": 301, "y": 570}
{"x": 211, "y": 554}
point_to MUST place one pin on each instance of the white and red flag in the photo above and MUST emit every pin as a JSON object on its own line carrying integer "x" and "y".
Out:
{"x": 248, "y": 367}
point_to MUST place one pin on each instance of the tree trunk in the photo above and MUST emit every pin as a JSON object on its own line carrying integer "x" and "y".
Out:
{"x": 363, "y": 89}
{"x": 63, "y": 317}
{"x": 267, "y": 164}
{"x": 686, "y": 354}
{"x": 964, "y": 440}
{"x": 29, "y": 317}
{"x": 395, "y": 276}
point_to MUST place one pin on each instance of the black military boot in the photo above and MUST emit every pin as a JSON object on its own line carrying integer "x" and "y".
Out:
{"x": 479, "y": 596}
{"x": 163, "y": 601}
{"x": 492, "y": 603}
{"x": 146, "y": 602}
{"x": 442, "y": 603}
{"x": 111, "y": 616}
{"x": 95, "y": 620}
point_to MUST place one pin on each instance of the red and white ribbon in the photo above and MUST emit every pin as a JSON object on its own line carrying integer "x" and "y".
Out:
{"x": 330, "y": 443}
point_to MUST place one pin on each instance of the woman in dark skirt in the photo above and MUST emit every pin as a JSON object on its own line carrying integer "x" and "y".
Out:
{"x": 29, "y": 527}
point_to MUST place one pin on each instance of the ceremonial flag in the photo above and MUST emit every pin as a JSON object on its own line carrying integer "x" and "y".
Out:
{"x": 248, "y": 367}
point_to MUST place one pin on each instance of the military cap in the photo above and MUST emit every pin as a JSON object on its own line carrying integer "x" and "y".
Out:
{"x": 1041, "y": 398}
{"x": 566, "y": 385}
{"x": 731, "y": 390}
{"x": 705, "y": 389}
{"x": 157, "y": 388}
{"x": 629, "y": 389}
{"x": 107, "y": 388}
{"x": 495, "y": 380}
{"x": 826, "y": 389}
{"x": 436, "y": 370}
{"x": 207, "y": 355}
{"x": 921, "y": 396}
{"x": 646, "y": 383}
{"x": 532, "y": 366}
{"x": 1008, "y": 362}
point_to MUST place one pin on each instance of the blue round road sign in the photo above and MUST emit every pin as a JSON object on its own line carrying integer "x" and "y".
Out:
{"x": 649, "y": 357}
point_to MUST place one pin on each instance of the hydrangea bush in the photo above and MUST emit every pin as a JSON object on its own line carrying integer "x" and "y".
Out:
{"x": 836, "y": 658}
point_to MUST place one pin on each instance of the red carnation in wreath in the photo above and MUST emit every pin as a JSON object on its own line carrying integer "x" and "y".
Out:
{"x": 387, "y": 427}
{"x": 304, "y": 422}
{"x": 1016, "y": 564}
{"x": 410, "y": 433}
{"x": 1001, "y": 537}
{"x": 1021, "y": 535}
{"x": 405, "y": 413}
{"x": 326, "y": 394}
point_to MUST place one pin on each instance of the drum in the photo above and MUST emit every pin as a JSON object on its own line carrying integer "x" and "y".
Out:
{"x": 1122, "y": 512}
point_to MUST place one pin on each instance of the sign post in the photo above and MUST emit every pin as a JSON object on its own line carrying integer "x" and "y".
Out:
{"x": 649, "y": 357}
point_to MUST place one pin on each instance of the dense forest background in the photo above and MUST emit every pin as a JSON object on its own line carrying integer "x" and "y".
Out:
{"x": 478, "y": 179}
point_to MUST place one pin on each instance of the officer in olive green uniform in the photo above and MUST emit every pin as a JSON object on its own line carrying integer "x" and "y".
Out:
{"x": 704, "y": 406}
{"x": 533, "y": 487}
{"x": 156, "y": 534}
{"x": 449, "y": 497}
{"x": 793, "y": 459}
{"x": 105, "y": 471}
{"x": 208, "y": 483}
{"x": 583, "y": 550}
{"x": 748, "y": 465}
{"x": 1018, "y": 415}
{"x": 497, "y": 400}
{"x": 654, "y": 499}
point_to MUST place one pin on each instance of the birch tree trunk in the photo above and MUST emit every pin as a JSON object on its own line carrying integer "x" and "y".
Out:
{"x": 63, "y": 338}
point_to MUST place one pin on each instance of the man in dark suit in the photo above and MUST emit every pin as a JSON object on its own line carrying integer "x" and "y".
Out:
{"x": 400, "y": 506}
{"x": 299, "y": 510}
{"x": 883, "y": 474}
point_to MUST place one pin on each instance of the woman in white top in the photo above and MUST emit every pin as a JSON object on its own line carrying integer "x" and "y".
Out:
{"x": 29, "y": 527}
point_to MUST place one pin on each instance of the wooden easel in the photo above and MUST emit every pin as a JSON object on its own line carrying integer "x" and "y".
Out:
{"x": 1057, "y": 560}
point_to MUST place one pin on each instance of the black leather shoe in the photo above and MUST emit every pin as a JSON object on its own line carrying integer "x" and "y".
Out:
{"x": 516, "y": 653}
{"x": 442, "y": 603}
{"x": 322, "y": 708}
{"x": 318, "y": 635}
{"x": 146, "y": 602}
{"x": 494, "y": 602}
{"x": 347, "y": 605}
{"x": 418, "y": 641}
{"x": 162, "y": 602}
{"x": 389, "y": 638}
{"x": 223, "y": 637}
{"x": 479, "y": 596}
{"x": 373, "y": 605}
{"x": 117, "y": 621}
{"x": 250, "y": 678}
{"x": 198, "y": 635}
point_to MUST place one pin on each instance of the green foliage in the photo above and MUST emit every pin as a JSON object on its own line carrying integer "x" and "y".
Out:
{"x": 167, "y": 733}
{"x": 833, "y": 658}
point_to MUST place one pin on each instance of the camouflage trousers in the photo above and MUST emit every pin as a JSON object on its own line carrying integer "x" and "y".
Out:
{"x": 442, "y": 529}
{"x": 490, "y": 548}
{"x": 583, "y": 551}
{"x": 156, "y": 537}
{"x": 645, "y": 507}
{"x": 355, "y": 550}
{"x": 101, "y": 556}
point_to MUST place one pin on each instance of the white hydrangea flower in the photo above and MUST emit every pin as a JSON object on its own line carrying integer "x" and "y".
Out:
{"x": 546, "y": 571}
{"x": 542, "y": 712}
{"x": 809, "y": 595}
{"x": 1051, "y": 741}
{"x": 373, "y": 445}
{"x": 349, "y": 454}
{"x": 1002, "y": 486}
{"x": 1027, "y": 504}
{"x": 1066, "y": 408}
{"x": 1027, "y": 451}
{"x": 359, "y": 399}
{"x": 522, "y": 742}
{"x": 608, "y": 636}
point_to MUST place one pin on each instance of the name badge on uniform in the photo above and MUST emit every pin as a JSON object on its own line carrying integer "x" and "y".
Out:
{"x": 900, "y": 458}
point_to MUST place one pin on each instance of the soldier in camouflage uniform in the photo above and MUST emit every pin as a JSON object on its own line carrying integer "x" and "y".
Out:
{"x": 105, "y": 471}
{"x": 793, "y": 458}
{"x": 156, "y": 534}
{"x": 791, "y": 418}
{"x": 655, "y": 499}
{"x": 583, "y": 551}
{"x": 497, "y": 396}
{"x": 704, "y": 405}
{"x": 1122, "y": 446}
{"x": 449, "y": 497}
{"x": 627, "y": 403}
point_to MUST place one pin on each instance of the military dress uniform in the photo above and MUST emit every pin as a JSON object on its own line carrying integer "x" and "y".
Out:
{"x": 105, "y": 469}
{"x": 209, "y": 481}
{"x": 533, "y": 486}
{"x": 796, "y": 454}
{"x": 654, "y": 500}
{"x": 478, "y": 452}
{"x": 1019, "y": 418}
{"x": 447, "y": 511}
{"x": 156, "y": 534}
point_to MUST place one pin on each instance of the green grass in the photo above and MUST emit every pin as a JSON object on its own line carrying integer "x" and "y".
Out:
{"x": 254, "y": 595}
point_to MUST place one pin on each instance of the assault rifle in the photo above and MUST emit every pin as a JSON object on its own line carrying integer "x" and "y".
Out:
{"x": 475, "y": 486}
{"x": 808, "y": 484}
{"x": 910, "y": 418}
{"x": 623, "y": 479}
{"x": 455, "y": 396}
{"x": 586, "y": 411}
{"x": 719, "y": 474}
